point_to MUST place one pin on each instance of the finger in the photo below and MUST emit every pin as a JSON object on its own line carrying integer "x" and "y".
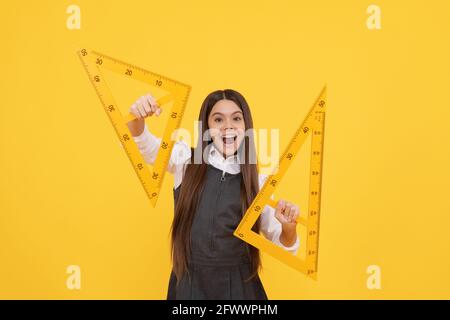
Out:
{"x": 293, "y": 213}
{"x": 287, "y": 212}
{"x": 147, "y": 108}
{"x": 134, "y": 110}
{"x": 140, "y": 109}
{"x": 281, "y": 206}
{"x": 146, "y": 105}
{"x": 150, "y": 101}
{"x": 280, "y": 217}
{"x": 278, "y": 210}
{"x": 287, "y": 209}
{"x": 153, "y": 103}
{"x": 277, "y": 215}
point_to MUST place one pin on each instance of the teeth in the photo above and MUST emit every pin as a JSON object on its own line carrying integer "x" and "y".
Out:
{"x": 228, "y": 139}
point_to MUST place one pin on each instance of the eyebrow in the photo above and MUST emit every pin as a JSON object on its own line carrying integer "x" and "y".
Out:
{"x": 222, "y": 113}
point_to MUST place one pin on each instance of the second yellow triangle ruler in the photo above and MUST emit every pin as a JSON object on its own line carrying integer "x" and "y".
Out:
{"x": 94, "y": 62}
{"x": 314, "y": 125}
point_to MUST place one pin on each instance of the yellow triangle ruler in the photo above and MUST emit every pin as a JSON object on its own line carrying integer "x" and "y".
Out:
{"x": 314, "y": 124}
{"x": 94, "y": 62}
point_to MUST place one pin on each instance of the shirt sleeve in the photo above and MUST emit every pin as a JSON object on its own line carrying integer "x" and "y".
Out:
{"x": 148, "y": 145}
{"x": 271, "y": 227}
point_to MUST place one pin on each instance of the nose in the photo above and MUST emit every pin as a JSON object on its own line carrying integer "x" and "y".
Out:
{"x": 228, "y": 125}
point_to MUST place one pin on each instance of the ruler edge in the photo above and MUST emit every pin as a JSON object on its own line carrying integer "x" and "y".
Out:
{"x": 139, "y": 68}
{"x": 110, "y": 120}
{"x": 319, "y": 202}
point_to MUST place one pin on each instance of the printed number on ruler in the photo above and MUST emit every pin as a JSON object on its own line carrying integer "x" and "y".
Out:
{"x": 94, "y": 62}
{"x": 314, "y": 124}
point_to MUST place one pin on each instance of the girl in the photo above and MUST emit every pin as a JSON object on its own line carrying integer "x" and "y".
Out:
{"x": 215, "y": 183}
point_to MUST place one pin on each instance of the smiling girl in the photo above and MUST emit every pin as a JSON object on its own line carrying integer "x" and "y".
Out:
{"x": 210, "y": 198}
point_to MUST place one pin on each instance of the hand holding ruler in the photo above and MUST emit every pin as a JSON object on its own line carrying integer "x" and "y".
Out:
{"x": 313, "y": 124}
{"x": 94, "y": 62}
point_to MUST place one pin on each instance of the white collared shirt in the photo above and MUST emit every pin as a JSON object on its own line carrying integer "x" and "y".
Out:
{"x": 148, "y": 145}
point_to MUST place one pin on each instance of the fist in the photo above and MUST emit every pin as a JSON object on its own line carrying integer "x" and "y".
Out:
{"x": 145, "y": 106}
{"x": 287, "y": 213}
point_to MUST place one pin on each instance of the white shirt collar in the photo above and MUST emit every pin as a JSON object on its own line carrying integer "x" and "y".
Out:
{"x": 229, "y": 164}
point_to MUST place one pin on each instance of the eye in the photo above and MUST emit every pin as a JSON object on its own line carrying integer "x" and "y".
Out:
{"x": 238, "y": 118}
{"x": 217, "y": 120}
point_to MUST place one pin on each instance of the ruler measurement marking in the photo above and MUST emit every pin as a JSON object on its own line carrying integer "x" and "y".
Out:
{"x": 153, "y": 74}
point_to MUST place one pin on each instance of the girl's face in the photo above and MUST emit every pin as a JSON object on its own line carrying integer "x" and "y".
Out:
{"x": 227, "y": 127}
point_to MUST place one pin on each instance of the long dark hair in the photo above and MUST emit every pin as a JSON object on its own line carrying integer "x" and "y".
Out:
{"x": 193, "y": 181}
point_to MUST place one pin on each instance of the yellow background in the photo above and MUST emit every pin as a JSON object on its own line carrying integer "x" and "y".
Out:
{"x": 68, "y": 195}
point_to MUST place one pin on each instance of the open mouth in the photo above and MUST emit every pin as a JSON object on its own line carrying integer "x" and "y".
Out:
{"x": 229, "y": 140}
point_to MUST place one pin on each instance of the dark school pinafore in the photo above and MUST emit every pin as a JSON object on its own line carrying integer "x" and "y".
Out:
{"x": 219, "y": 261}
